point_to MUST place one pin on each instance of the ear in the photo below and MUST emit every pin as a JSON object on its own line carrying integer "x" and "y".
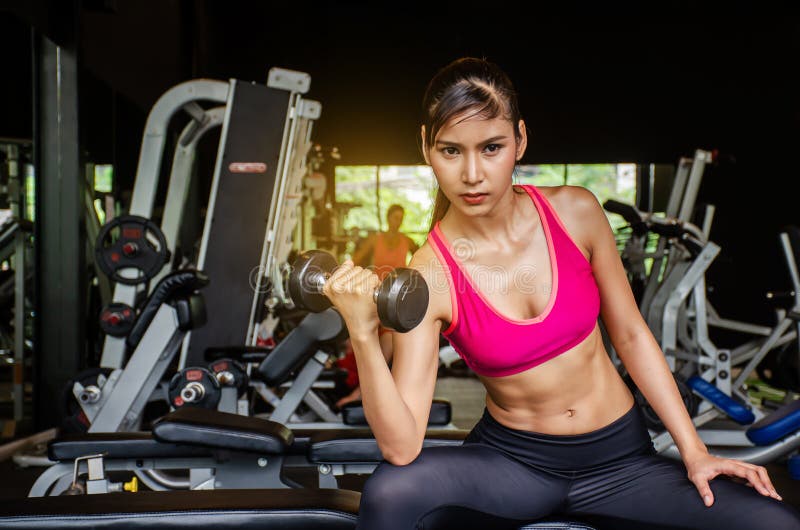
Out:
{"x": 522, "y": 144}
{"x": 424, "y": 145}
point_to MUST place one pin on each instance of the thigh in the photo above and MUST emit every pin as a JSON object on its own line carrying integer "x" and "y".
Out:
{"x": 654, "y": 492}
{"x": 473, "y": 476}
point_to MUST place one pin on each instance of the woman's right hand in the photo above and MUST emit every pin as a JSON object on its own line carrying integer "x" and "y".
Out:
{"x": 350, "y": 289}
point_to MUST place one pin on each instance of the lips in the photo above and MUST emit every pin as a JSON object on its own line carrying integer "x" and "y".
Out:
{"x": 473, "y": 198}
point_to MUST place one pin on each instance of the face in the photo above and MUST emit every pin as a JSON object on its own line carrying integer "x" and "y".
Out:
{"x": 474, "y": 160}
{"x": 394, "y": 220}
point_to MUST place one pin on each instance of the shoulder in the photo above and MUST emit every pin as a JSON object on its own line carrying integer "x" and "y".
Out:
{"x": 579, "y": 211}
{"x": 574, "y": 205}
{"x": 426, "y": 262}
{"x": 571, "y": 200}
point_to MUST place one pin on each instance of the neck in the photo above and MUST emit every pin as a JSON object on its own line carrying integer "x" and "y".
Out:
{"x": 498, "y": 226}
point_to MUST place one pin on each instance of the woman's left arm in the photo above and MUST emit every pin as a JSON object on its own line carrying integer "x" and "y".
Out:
{"x": 642, "y": 356}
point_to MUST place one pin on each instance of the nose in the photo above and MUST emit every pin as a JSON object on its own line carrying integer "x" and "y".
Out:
{"x": 471, "y": 172}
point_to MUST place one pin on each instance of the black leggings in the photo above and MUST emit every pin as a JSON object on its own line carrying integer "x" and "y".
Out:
{"x": 610, "y": 478}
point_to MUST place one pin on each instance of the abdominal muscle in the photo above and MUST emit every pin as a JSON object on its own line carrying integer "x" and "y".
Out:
{"x": 575, "y": 393}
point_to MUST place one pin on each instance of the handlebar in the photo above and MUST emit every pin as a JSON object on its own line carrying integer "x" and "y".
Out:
{"x": 686, "y": 234}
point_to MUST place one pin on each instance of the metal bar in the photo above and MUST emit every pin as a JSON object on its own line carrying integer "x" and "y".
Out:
{"x": 701, "y": 158}
{"x": 201, "y": 258}
{"x": 122, "y": 408}
{"x": 275, "y": 208}
{"x": 181, "y": 177}
{"x": 673, "y": 204}
{"x": 147, "y": 173}
{"x": 302, "y": 383}
{"x": 61, "y": 281}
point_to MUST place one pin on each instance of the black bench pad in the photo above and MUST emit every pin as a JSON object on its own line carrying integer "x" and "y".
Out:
{"x": 261, "y": 509}
{"x": 300, "y": 344}
{"x": 441, "y": 413}
{"x": 182, "y": 282}
{"x": 557, "y": 525}
{"x": 191, "y": 510}
{"x": 349, "y": 446}
{"x": 245, "y": 354}
{"x": 223, "y": 430}
{"x": 119, "y": 445}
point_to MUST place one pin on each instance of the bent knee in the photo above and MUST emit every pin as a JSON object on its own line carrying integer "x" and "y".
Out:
{"x": 402, "y": 488}
{"x": 389, "y": 481}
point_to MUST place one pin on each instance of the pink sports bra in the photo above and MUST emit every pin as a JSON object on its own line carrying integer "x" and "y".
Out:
{"x": 493, "y": 345}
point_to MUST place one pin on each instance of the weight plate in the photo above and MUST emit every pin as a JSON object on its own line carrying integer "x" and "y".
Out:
{"x": 303, "y": 287}
{"x": 402, "y": 299}
{"x": 131, "y": 242}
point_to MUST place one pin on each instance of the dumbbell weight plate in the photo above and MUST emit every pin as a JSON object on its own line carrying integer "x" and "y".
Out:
{"x": 195, "y": 375}
{"x": 233, "y": 369}
{"x": 134, "y": 243}
{"x": 73, "y": 419}
{"x": 117, "y": 319}
{"x": 303, "y": 285}
{"x": 402, "y": 299}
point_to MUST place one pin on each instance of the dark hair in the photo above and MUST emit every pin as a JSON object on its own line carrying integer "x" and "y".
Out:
{"x": 393, "y": 208}
{"x": 470, "y": 87}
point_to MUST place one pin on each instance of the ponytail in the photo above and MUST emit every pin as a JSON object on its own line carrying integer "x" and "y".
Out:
{"x": 440, "y": 206}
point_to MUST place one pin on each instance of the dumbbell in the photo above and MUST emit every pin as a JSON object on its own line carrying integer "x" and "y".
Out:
{"x": 230, "y": 373}
{"x": 117, "y": 319}
{"x": 194, "y": 387}
{"x": 402, "y": 297}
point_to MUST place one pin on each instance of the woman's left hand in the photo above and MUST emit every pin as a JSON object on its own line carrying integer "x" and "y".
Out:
{"x": 704, "y": 467}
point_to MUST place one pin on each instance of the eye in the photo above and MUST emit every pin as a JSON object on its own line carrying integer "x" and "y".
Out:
{"x": 493, "y": 148}
{"x": 449, "y": 151}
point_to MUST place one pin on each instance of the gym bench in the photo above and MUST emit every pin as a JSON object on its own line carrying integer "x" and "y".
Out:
{"x": 242, "y": 459}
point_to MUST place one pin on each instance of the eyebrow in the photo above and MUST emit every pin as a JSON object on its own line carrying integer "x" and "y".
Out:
{"x": 484, "y": 142}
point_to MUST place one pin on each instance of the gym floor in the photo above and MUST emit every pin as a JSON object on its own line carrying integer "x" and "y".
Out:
{"x": 467, "y": 397}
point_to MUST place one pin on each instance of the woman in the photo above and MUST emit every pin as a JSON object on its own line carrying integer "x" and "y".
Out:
{"x": 388, "y": 251}
{"x": 527, "y": 273}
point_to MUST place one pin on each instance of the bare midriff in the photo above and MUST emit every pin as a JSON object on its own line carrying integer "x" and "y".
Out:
{"x": 575, "y": 393}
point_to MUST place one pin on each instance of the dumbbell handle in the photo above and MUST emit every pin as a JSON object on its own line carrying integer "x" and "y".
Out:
{"x": 401, "y": 299}
{"x": 90, "y": 394}
{"x": 192, "y": 392}
{"x": 317, "y": 280}
{"x": 225, "y": 378}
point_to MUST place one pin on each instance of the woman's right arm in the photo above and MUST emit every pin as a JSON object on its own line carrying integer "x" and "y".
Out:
{"x": 397, "y": 402}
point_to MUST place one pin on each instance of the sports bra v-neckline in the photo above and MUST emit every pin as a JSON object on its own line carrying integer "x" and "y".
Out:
{"x": 553, "y": 262}
{"x": 494, "y": 345}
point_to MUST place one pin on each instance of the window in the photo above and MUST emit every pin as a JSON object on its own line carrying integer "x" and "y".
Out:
{"x": 606, "y": 181}
{"x": 373, "y": 189}
{"x": 368, "y": 191}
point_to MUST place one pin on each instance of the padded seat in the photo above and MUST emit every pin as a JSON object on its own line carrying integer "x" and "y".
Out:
{"x": 244, "y": 354}
{"x": 256, "y": 509}
{"x": 223, "y": 430}
{"x": 352, "y": 446}
{"x": 781, "y": 423}
{"x": 557, "y": 525}
{"x": 119, "y": 445}
{"x": 441, "y": 413}
{"x": 283, "y": 509}
{"x": 300, "y": 344}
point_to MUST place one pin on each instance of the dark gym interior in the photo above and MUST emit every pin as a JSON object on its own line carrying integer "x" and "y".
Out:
{"x": 597, "y": 84}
